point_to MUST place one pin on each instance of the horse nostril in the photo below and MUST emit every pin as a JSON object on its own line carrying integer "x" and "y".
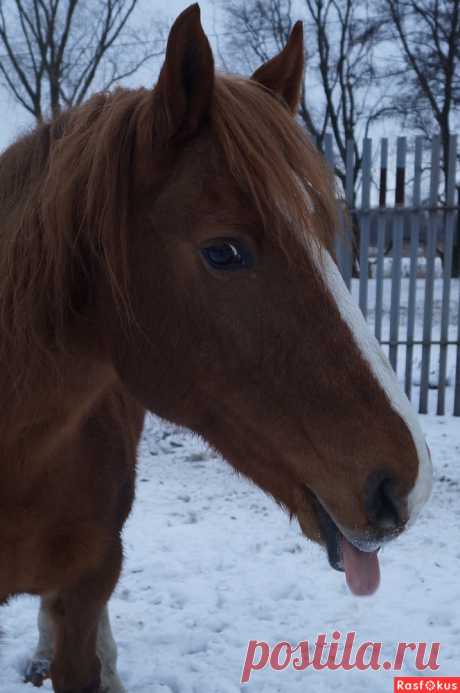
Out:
{"x": 384, "y": 508}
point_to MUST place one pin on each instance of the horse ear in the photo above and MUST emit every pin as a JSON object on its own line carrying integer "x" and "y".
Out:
{"x": 184, "y": 90}
{"x": 283, "y": 74}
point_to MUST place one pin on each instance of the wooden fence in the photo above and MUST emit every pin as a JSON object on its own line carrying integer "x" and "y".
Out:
{"x": 401, "y": 260}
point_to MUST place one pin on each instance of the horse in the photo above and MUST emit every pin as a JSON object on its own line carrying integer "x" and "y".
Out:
{"x": 172, "y": 250}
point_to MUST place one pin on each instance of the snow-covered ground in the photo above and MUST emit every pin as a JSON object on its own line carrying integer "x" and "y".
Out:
{"x": 211, "y": 563}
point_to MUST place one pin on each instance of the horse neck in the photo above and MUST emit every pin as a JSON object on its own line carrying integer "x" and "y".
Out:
{"x": 41, "y": 415}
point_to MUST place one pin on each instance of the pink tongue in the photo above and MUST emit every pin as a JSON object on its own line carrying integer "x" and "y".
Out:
{"x": 361, "y": 569}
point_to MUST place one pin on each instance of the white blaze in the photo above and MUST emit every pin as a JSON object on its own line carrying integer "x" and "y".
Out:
{"x": 383, "y": 372}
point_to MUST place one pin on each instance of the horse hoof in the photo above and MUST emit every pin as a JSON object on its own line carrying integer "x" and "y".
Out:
{"x": 37, "y": 671}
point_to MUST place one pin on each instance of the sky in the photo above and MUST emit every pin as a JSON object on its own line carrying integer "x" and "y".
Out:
{"x": 15, "y": 120}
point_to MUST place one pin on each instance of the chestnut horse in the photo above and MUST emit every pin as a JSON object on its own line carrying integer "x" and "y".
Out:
{"x": 170, "y": 250}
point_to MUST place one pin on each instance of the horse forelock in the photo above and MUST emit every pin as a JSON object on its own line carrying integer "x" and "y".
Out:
{"x": 272, "y": 158}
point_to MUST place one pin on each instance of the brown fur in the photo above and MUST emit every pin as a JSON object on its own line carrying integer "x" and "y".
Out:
{"x": 107, "y": 308}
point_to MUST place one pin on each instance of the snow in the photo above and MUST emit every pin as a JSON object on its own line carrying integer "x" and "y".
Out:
{"x": 406, "y": 267}
{"x": 212, "y": 563}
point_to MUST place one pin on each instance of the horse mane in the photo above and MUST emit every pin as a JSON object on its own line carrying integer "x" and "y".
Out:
{"x": 64, "y": 192}
{"x": 65, "y": 195}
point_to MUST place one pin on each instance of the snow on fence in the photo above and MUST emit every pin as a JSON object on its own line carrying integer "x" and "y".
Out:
{"x": 402, "y": 262}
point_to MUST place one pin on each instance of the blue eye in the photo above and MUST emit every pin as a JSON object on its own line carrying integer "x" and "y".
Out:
{"x": 227, "y": 255}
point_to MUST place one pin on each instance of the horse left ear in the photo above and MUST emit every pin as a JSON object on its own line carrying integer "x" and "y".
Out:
{"x": 184, "y": 90}
{"x": 283, "y": 74}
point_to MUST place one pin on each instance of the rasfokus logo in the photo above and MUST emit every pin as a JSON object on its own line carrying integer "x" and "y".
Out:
{"x": 343, "y": 652}
{"x": 406, "y": 684}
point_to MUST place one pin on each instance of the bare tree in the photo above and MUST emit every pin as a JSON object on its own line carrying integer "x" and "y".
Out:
{"x": 428, "y": 76}
{"x": 54, "y": 53}
{"x": 341, "y": 91}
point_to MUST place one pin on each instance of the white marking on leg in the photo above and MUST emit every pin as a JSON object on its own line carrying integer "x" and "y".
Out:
{"x": 383, "y": 372}
{"x": 107, "y": 653}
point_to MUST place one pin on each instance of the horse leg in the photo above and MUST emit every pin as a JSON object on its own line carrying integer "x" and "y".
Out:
{"x": 76, "y": 613}
{"x": 38, "y": 668}
{"x": 75, "y": 667}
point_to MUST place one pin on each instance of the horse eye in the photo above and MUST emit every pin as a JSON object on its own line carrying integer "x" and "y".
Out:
{"x": 227, "y": 255}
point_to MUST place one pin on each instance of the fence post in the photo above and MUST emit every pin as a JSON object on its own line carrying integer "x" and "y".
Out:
{"x": 456, "y": 252}
{"x": 381, "y": 235}
{"x": 365, "y": 225}
{"x": 429, "y": 280}
{"x": 397, "y": 251}
{"x": 414, "y": 244}
{"x": 348, "y": 242}
{"x": 457, "y": 365}
{"x": 447, "y": 272}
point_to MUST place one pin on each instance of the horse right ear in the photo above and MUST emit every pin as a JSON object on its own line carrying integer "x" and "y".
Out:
{"x": 183, "y": 94}
{"x": 283, "y": 74}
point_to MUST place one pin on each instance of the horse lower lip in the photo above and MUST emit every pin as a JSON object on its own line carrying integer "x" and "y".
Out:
{"x": 332, "y": 536}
